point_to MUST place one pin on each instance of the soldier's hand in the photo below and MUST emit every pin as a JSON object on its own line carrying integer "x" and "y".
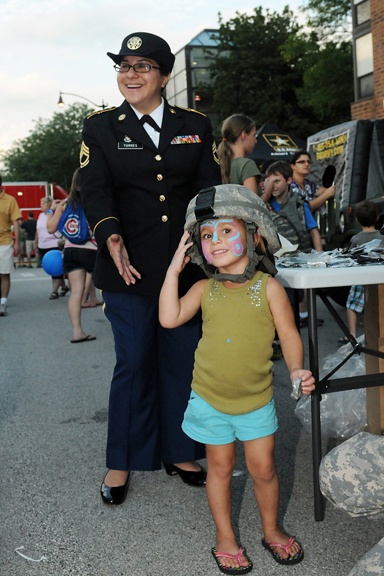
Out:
{"x": 120, "y": 257}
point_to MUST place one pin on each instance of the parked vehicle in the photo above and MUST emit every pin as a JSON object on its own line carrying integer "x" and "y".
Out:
{"x": 29, "y": 194}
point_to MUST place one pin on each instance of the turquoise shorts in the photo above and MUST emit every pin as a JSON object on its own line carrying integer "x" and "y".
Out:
{"x": 207, "y": 425}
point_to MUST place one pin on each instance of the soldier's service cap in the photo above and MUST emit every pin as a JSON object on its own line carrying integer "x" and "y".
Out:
{"x": 146, "y": 44}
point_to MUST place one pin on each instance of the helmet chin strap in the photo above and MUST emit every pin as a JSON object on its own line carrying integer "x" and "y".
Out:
{"x": 254, "y": 260}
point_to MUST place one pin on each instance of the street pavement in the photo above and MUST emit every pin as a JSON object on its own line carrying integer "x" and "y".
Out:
{"x": 53, "y": 418}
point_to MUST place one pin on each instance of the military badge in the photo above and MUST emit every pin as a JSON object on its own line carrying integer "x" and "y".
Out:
{"x": 134, "y": 43}
{"x": 188, "y": 139}
{"x": 129, "y": 144}
{"x": 84, "y": 155}
{"x": 214, "y": 152}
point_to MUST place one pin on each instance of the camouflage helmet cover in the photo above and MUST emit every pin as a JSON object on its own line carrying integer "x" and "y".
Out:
{"x": 240, "y": 202}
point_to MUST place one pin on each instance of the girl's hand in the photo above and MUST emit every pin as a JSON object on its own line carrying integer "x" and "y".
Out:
{"x": 56, "y": 203}
{"x": 307, "y": 380}
{"x": 180, "y": 258}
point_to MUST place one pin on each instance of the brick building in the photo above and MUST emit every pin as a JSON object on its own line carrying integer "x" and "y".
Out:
{"x": 368, "y": 41}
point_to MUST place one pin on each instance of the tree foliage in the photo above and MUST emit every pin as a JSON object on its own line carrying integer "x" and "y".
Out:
{"x": 51, "y": 151}
{"x": 250, "y": 74}
{"x": 273, "y": 69}
{"x": 327, "y": 93}
{"x": 326, "y": 71}
{"x": 331, "y": 19}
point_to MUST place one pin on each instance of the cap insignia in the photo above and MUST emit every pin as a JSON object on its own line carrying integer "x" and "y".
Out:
{"x": 134, "y": 43}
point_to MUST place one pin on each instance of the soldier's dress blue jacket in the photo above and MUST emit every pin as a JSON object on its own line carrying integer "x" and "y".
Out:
{"x": 133, "y": 188}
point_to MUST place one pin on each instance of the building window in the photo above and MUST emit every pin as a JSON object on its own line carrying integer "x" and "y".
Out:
{"x": 364, "y": 65}
{"x": 362, "y": 11}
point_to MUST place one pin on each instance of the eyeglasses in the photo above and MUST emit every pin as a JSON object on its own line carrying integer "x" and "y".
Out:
{"x": 140, "y": 67}
{"x": 303, "y": 162}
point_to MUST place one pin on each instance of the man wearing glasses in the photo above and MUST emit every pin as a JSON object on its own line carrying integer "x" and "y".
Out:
{"x": 316, "y": 195}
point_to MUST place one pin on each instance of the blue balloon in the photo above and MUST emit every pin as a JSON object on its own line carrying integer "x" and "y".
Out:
{"x": 52, "y": 263}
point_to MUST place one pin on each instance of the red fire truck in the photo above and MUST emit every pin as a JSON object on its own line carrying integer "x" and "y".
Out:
{"x": 29, "y": 194}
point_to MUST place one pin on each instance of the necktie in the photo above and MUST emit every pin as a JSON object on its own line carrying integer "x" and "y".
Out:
{"x": 149, "y": 120}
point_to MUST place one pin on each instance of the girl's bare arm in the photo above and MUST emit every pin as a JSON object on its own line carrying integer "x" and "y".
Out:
{"x": 290, "y": 339}
{"x": 174, "y": 311}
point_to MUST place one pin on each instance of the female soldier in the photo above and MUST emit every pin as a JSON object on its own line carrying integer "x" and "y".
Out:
{"x": 141, "y": 163}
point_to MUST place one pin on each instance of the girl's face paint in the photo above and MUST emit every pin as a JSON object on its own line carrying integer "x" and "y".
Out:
{"x": 220, "y": 236}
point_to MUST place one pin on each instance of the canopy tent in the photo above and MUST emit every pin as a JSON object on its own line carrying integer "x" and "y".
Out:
{"x": 274, "y": 144}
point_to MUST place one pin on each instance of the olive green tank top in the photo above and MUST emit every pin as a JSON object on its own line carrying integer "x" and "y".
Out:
{"x": 233, "y": 364}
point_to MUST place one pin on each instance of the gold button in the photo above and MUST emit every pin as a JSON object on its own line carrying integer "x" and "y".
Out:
{"x": 164, "y": 218}
{"x": 162, "y": 198}
{"x": 158, "y": 157}
{"x": 159, "y": 177}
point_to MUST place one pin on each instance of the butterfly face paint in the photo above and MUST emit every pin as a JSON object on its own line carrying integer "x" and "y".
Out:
{"x": 219, "y": 236}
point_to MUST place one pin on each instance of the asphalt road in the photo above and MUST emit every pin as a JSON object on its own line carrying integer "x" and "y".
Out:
{"x": 53, "y": 420}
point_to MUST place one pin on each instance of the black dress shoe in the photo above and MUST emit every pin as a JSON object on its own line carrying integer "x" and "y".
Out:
{"x": 192, "y": 478}
{"x": 114, "y": 494}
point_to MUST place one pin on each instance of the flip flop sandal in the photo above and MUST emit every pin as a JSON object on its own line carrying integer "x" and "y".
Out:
{"x": 87, "y": 338}
{"x": 239, "y": 569}
{"x": 54, "y": 296}
{"x": 295, "y": 559}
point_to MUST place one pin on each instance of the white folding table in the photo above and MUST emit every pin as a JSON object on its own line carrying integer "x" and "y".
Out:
{"x": 313, "y": 279}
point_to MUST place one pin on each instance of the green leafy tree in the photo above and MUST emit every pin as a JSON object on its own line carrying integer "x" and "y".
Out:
{"x": 273, "y": 69}
{"x": 51, "y": 151}
{"x": 250, "y": 74}
{"x": 326, "y": 93}
{"x": 326, "y": 71}
{"x": 331, "y": 19}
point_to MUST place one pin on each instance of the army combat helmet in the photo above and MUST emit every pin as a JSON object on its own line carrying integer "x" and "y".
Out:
{"x": 239, "y": 202}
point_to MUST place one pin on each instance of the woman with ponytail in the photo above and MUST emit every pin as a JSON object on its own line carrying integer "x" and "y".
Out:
{"x": 239, "y": 138}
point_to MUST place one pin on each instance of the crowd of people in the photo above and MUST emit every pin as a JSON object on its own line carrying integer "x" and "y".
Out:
{"x": 20, "y": 238}
{"x": 148, "y": 171}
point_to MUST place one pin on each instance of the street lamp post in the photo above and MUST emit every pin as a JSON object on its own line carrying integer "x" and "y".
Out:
{"x": 60, "y": 102}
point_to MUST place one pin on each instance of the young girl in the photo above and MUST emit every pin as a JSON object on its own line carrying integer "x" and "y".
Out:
{"x": 239, "y": 138}
{"x": 229, "y": 232}
{"x": 79, "y": 261}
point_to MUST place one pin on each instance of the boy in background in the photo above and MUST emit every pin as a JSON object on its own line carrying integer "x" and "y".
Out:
{"x": 292, "y": 217}
{"x": 29, "y": 226}
{"x": 366, "y": 214}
